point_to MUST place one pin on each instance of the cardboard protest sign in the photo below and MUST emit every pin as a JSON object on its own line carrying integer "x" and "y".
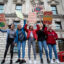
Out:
{"x": 47, "y": 17}
{"x": 32, "y": 18}
{"x": 19, "y": 15}
{"x": 2, "y": 20}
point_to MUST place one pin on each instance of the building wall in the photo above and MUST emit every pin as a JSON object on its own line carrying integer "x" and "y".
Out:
{"x": 9, "y": 8}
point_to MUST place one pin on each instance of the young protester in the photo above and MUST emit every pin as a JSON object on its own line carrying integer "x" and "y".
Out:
{"x": 51, "y": 41}
{"x": 21, "y": 40}
{"x": 10, "y": 42}
{"x": 42, "y": 43}
{"x": 31, "y": 36}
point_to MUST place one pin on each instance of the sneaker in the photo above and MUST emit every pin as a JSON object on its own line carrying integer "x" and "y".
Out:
{"x": 10, "y": 61}
{"x": 51, "y": 61}
{"x": 42, "y": 61}
{"x": 3, "y": 61}
{"x": 57, "y": 61}
{"x": 22, "y": 61}
{"x": 30, "y": 62}
{"x": 48, "y": 61}
{"x": 17, "y": 61}
{"x": 35, "y": 62}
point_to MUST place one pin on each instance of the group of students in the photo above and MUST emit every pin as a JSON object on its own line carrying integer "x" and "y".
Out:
{"x": 43, "y": 34}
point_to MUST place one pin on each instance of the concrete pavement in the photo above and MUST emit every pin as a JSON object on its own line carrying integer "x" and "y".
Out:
{"x": 38, "y": 62}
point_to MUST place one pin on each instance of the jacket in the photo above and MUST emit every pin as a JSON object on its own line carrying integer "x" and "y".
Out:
{"x": 41, "y": 35}
{"x": 51, "y": 36}
{"x": 34, "y": 31}
{"x": 23, "y": 31}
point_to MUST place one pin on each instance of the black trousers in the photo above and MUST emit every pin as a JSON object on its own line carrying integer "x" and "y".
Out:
{"x": 11, "y": 45}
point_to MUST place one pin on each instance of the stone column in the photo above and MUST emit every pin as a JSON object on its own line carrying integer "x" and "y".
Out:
{"x": 9, "y": 7}
{"x": 27, "y": 7}
{"x": 46, "y": 5}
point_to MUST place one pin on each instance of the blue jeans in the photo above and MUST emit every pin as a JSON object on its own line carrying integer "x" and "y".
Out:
{"x": 33, "y": 43}
{"x": 41, "y": 45}
{"x": 23, "y": 49}
{"x": 50, "y": 51}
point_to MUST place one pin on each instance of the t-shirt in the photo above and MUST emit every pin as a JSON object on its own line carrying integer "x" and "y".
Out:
{"x": 31, "y": 34}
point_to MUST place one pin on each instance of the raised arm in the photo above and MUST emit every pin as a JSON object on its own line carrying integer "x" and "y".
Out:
{"x": 2, "y": 30}
{"x": 38, "y": 28}
{"x": 25, "y": 27}
{"x": 24, "y": 23}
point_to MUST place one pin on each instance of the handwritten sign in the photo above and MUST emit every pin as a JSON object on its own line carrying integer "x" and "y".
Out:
{"x": 32, "y": 18}
{"x": 19, "y": 15}
{"x": 47, "y": 17}
{"x": 2, "y": 20}
{"x": 38, "y": 9}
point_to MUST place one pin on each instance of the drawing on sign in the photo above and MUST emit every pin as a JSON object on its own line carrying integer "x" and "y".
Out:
{"x": 32, "y": 18}
{"x": 47, "y": 17}
{"x": 2, "y": 20}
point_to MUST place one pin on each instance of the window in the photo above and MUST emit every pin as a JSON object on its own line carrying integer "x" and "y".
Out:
{"x": 19, "y": 7}
{"x": 16, "y": 23}
{"x": 58, "y": 25}
{"x": 61, "y": 44}
{"x": 1, "y": 8}
{"x": 54, "y": 9}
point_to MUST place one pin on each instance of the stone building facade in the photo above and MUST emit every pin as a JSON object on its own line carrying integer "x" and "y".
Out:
{"x": 8, "y": 7}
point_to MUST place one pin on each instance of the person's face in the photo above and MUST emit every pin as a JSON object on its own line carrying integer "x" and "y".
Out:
{"x": 12, "y": 26}
{"x": 19, "y": 27}
{"x": 31, "y": 27}
{"x": 41, "y": 26}
{"x": 50, "y": 28}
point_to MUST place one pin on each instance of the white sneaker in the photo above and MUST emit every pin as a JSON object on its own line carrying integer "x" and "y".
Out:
{"x": 51, "y": 61}
{"x": 35, "y": 62}
{"x": 30, "y": 62}
{"x": 57, "y": 61}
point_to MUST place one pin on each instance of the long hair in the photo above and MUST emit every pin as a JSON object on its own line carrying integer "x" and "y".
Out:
{"x": 9, "y": 26}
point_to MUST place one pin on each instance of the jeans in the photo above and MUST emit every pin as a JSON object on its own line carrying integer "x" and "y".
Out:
{"x": 11, "y": 45}
{"x": 31, "y": 42}
{"x": 41, "y": 45}
{"x": 23, "y": 43}
{"x": 50, "y": 51}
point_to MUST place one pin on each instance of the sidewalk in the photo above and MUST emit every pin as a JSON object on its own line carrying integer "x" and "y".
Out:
{"x": 38, "y": 62}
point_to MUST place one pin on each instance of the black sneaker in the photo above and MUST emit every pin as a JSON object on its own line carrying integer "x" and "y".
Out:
{"x": 48, "y": 61}
{"x": 3, "y": 61}
{"x": 18, "y": 61}
{"x": 42, "y": 61}
{"x": 10, "y": 61}
{"x": 22, "y": 61}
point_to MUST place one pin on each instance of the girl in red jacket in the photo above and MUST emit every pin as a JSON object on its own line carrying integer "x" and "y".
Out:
{"x": 31, "y": 36}
{"x": 51, "y": 41}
